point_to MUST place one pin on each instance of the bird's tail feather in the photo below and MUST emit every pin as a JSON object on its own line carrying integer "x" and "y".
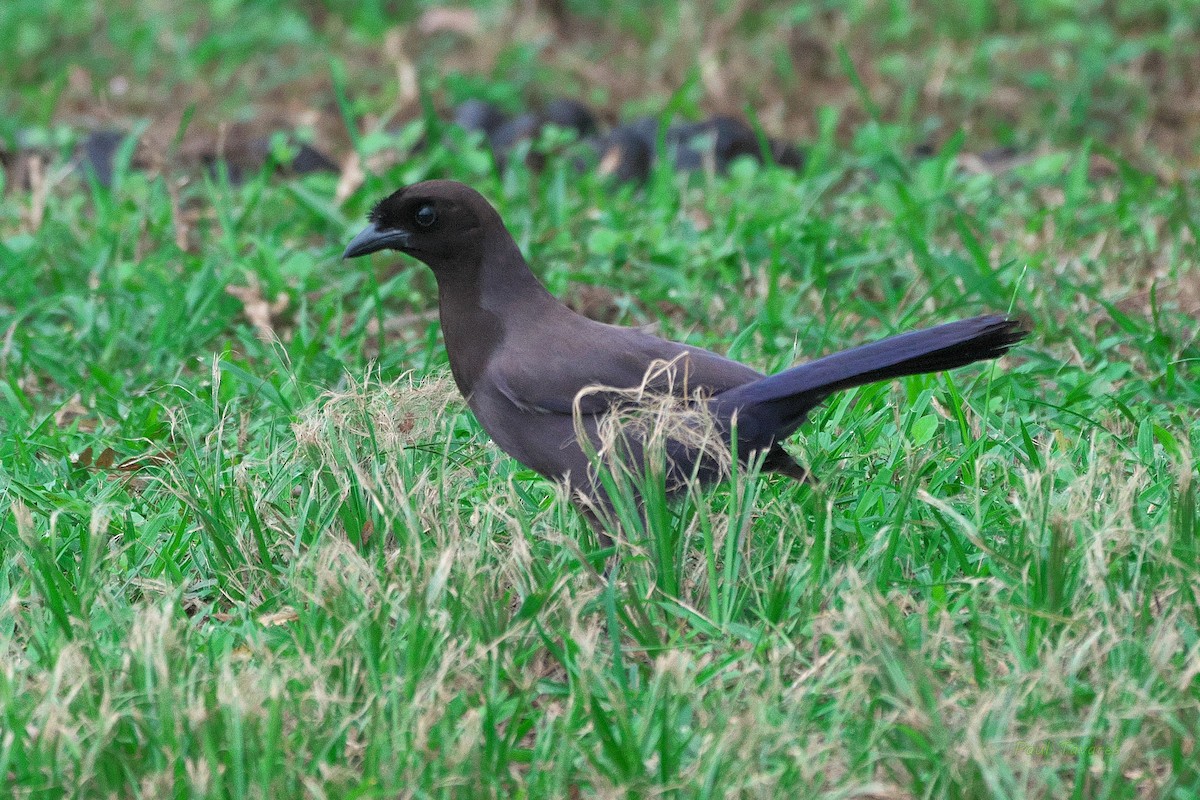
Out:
{"x": 789, "y": 395}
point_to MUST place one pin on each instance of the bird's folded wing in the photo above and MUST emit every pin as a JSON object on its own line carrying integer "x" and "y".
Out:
{"x": 551, "y": 380}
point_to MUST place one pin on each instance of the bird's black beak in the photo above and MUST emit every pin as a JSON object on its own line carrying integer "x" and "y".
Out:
{"x": 371, "y": 239}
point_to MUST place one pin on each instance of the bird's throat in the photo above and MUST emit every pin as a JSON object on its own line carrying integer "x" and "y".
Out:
{"x": 485, "y": 302}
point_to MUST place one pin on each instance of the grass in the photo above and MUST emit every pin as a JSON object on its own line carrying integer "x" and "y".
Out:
{"x": 252, "y": 544}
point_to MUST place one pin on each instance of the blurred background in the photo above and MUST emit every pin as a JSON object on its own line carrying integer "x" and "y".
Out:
{"x": 1021, "y": 74}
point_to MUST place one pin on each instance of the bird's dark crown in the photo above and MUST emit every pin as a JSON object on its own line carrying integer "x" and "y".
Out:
{"x": 430, "y": 207}
{"x": 442, "y": 223}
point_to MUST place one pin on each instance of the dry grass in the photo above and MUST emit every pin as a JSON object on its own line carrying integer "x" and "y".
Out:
{"x": 964, "y": 690}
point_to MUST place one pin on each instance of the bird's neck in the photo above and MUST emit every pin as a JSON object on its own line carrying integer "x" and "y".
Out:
{"x": 483, "y": 302}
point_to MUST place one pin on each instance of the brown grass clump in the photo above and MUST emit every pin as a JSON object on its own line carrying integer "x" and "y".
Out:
{"x": 404, "y": 413}
{"x": 653, "y": 421}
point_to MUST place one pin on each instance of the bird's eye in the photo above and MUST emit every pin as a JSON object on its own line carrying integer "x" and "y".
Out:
{"x": 426, "y": 215}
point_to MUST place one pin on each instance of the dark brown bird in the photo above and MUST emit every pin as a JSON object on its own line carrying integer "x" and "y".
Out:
{"x": 521, "y": 358}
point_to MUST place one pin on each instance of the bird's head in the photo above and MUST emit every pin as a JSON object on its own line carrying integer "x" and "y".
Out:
{"x": 442, "y": 223}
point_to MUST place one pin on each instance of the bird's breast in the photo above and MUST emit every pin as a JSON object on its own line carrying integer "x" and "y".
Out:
{"x": 472, "y": 336}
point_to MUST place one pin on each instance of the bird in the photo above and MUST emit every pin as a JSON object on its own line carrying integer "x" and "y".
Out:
{"x": 542, "y": 379}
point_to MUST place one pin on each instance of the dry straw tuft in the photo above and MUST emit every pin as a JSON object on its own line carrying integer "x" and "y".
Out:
{"x": 660, "y": 417}
{"x": 401, "y": 414}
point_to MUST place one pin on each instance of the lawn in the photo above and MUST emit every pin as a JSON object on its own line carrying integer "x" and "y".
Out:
{"x": 253, "y": 544}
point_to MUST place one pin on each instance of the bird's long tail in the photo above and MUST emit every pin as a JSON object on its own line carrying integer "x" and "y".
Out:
{"x": 779, "y": 402}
